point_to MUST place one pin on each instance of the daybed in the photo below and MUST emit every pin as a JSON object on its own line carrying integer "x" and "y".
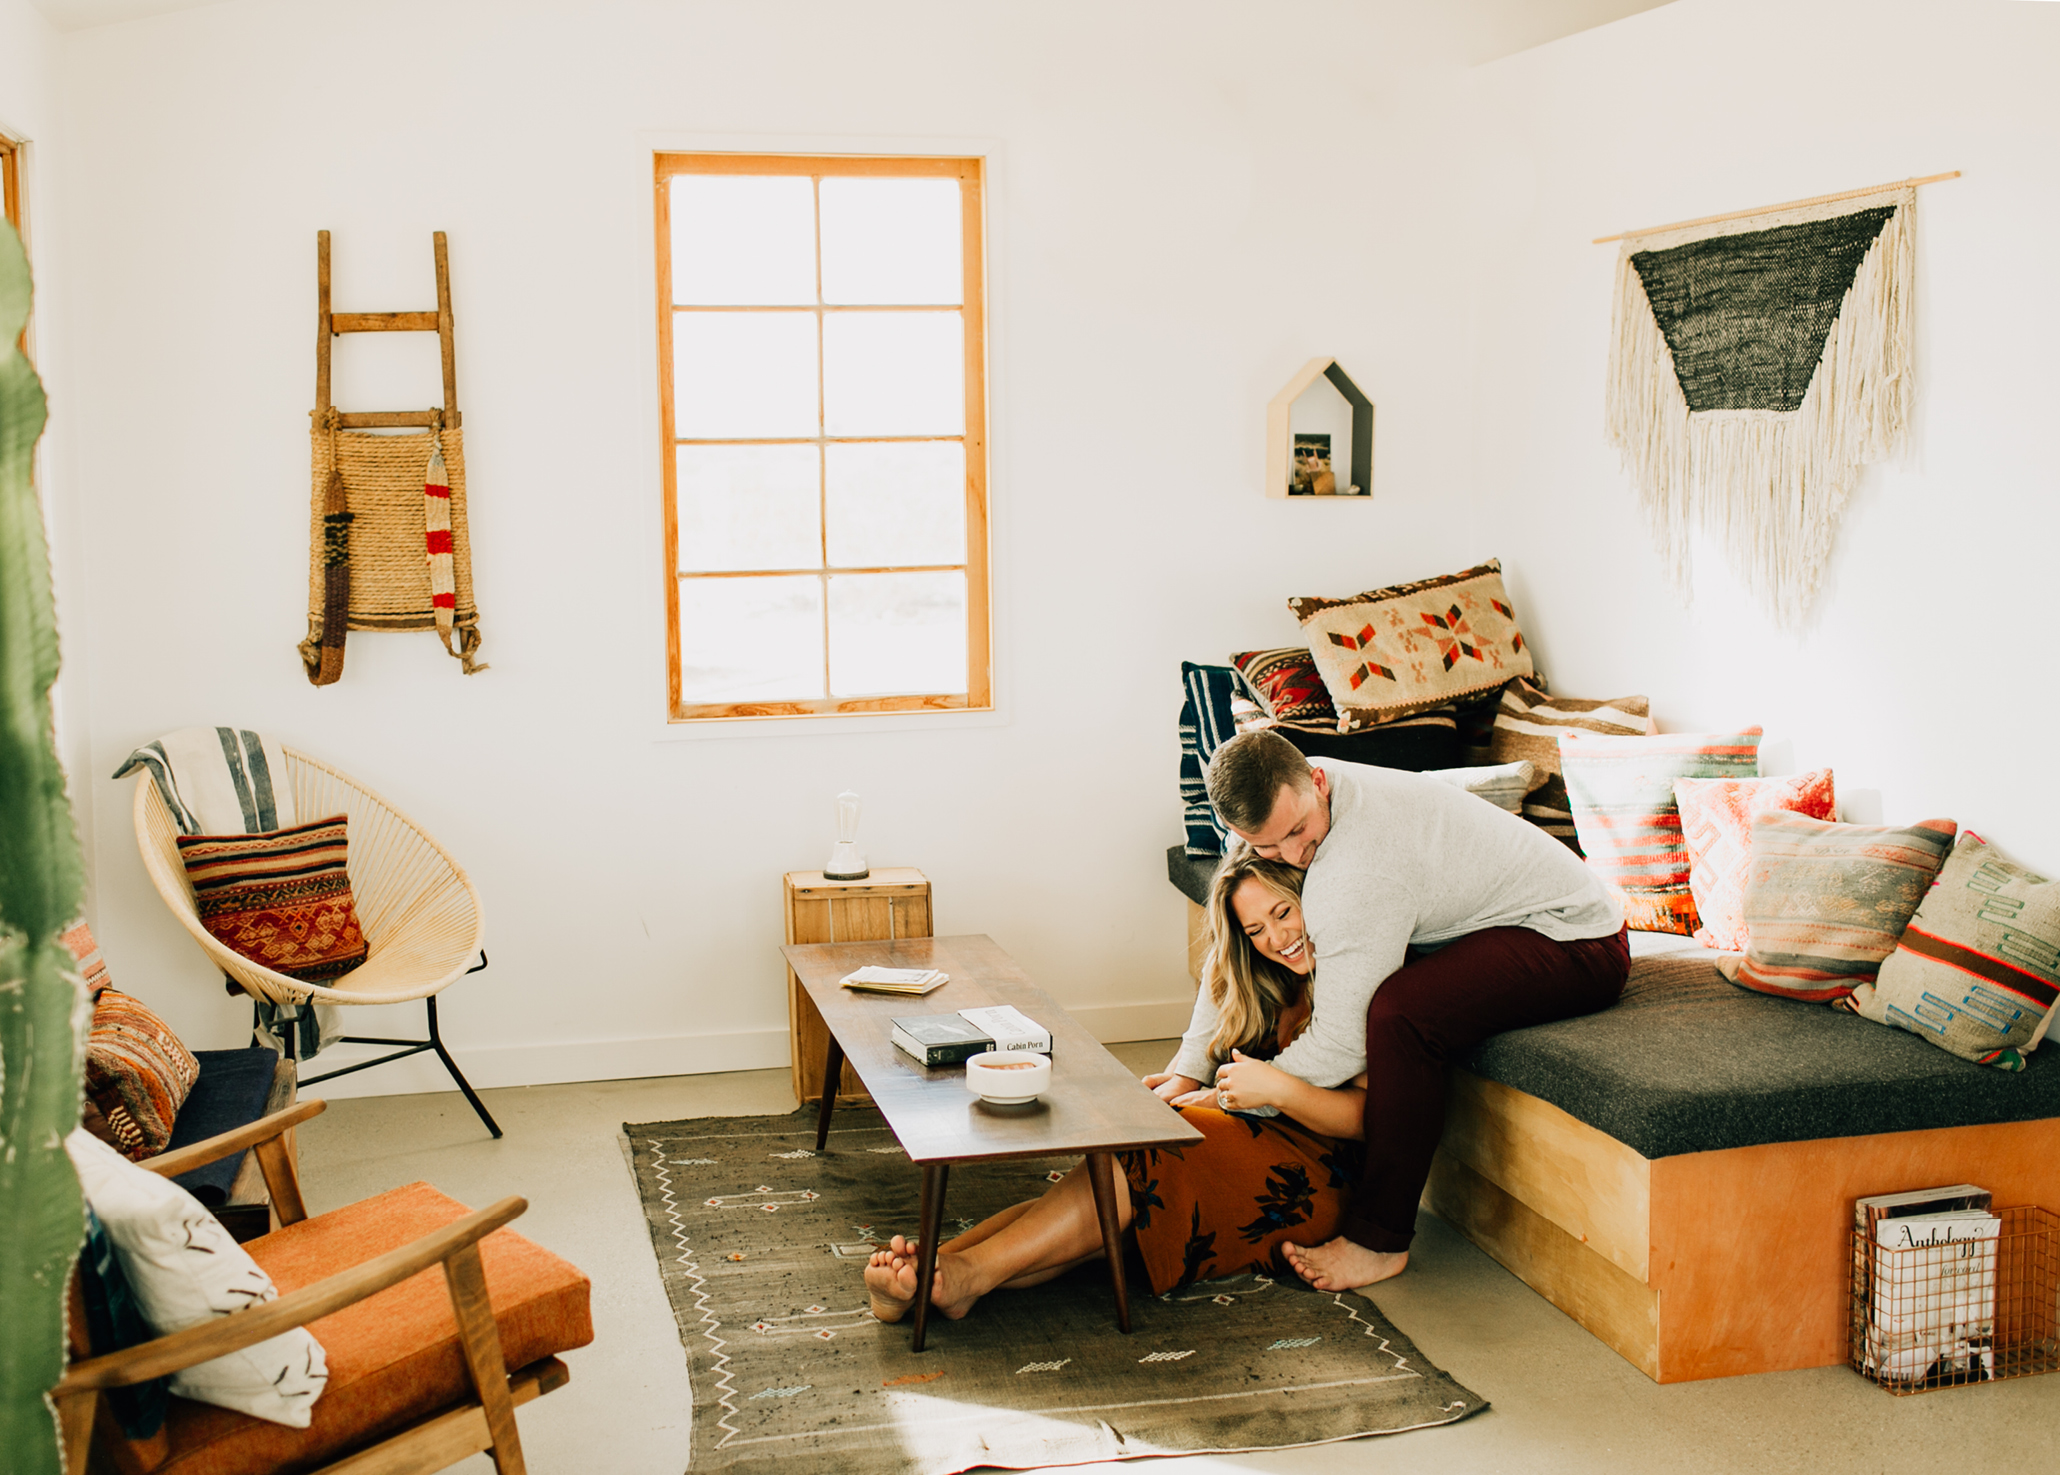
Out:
{"x": 1677, "y": 1172}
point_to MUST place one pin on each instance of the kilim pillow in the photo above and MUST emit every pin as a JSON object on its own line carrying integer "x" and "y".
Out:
{"x": 1629, "y": 826}
{"x": 1390, "y": 652}
{"x": 281, "y": 899}
{"x": 1528, "y": 725}
{"x": 1286, "y": 683}
{"x": 1825, "y": 902}
{"x": 1206, "y": 724}
{"x": 138, "y": 1074}
{"x": 1716, "y": 823}
{"x": 86, "y": 952}
{"x": 1977, "y": 971}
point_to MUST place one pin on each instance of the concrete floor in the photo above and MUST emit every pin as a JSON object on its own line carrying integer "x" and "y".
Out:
{"x": 1562, "y": 1402}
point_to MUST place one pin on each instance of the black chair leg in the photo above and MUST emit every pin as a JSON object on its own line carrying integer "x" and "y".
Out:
{"x": 436, "y": 1040}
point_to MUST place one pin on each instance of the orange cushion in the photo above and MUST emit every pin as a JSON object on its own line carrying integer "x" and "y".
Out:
{"x": 393, "y": 1357}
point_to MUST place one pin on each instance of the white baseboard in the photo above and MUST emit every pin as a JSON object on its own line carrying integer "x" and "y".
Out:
{"x": 668, "y": 1055}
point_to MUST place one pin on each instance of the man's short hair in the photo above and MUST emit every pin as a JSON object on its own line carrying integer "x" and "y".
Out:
{"x": 1247, "y": 774}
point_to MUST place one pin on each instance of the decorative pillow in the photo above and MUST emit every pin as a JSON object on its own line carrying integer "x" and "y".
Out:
{"x": 1426, "y": 741}
{"x": 1629, "y": 826}
{"x": 138, "y": 1074}
{"x": 185, "y": 1269}
{"x": 1716, "y": 823}
{"x": 1206, "y": 724}
{"x": 114, "y": 1323}
{"x": 1389, "y": 652}
{"x": 1285, "y": 682}
{"x": 1501, "y": 784}
{"x": 1528, "y": 725}
{"x": 86, "y": 952}
{"x": 281, "y": 899}
{"x": 1825, "y": 902}
{"x": 1977, "y": 971}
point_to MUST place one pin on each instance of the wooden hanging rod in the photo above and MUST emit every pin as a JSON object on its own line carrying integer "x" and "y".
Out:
{"x": 383, "y": 322}
{"x": 1851, "y": 194}
{"x": 382, "y": 419}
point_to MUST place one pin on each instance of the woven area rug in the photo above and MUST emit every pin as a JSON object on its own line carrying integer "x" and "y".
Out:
{"x": 760, "y": 1244}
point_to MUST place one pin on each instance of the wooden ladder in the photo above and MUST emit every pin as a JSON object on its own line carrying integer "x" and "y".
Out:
{"x": 438, "y": 322}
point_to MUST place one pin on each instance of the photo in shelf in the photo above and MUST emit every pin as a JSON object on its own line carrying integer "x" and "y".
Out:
{"x": 1312, "y": 474}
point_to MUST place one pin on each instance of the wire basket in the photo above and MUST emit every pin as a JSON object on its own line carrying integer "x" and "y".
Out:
{"x": 1972, "y": 1310}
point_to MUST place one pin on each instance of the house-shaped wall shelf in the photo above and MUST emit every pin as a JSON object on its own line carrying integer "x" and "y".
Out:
{"x": 1280, "y": 439}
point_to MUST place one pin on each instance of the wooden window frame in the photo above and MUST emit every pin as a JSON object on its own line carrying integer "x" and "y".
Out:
{"x": 970, "y": 174}
{"x": 10, "y": 180}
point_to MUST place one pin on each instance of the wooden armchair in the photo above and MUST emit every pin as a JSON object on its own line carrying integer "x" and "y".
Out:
{"x": 418, "y": 1365}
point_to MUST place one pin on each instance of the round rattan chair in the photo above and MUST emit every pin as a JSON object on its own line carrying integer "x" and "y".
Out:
{"x": 420, "y": 913}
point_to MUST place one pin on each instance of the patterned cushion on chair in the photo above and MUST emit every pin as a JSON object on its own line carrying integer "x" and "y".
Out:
{"x": 281, "y": 899}
{"x": 1629, "y": 823}
{"x": 138, "y": 1075}
{"x": 393, "y": 1357}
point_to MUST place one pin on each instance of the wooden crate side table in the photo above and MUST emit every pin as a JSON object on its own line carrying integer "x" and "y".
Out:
{"x": 891, "y": 903}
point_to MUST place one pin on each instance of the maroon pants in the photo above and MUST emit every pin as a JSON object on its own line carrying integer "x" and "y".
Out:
{"x": 1440, "y": 1004}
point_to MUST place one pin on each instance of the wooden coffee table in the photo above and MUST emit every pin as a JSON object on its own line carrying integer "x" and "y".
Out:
{"x": 1094, "y": 1106}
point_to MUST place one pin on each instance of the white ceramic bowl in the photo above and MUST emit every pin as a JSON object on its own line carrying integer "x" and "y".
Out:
{"x": 1008, "y": 1077}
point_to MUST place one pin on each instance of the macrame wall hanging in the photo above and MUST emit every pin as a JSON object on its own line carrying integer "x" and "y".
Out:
{"x": 388, "y": 544}
{"x": 1758, "y": 361}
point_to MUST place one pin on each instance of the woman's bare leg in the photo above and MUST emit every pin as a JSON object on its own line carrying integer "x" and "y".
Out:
{"x": 1051, "y": 1235}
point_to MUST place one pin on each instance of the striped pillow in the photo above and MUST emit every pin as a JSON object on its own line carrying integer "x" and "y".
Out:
{"x": 1207, "y": 722}
{"x": 1629, "y": 825}
{"x": 78, "y": 941}
{"x": 1825, "y": 902}
{"x": 1716, "y": 822}
{"x": 1528, "y": 726}
{"x": 281, "y": 899}
{"x": 138, "y": 1074}
{"x": 1977, "y": 971}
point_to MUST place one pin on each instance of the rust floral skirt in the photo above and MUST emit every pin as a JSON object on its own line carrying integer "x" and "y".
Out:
{"x": 1228, "y": 1204}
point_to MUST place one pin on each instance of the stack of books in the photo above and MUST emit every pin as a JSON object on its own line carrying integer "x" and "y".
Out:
{"x": 1927, "y": 1273}
{"x": 953, "y": 1039}
{"x": 916, "y": 981}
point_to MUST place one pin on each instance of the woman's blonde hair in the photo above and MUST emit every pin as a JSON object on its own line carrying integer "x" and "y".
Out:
{"x": 1249, "y": 989}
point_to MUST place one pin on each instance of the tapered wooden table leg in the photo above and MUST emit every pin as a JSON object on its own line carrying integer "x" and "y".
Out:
{"x": 935, "y": 1177}
{"x": 833, "y": 1077}
{"x": 1101, "y": 1172}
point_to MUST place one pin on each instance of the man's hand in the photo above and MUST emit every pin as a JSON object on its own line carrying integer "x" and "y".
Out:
{"x": 1168, "y": 1087}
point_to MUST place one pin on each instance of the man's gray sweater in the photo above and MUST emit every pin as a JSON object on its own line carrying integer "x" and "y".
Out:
{"x": 1410, "y": 860}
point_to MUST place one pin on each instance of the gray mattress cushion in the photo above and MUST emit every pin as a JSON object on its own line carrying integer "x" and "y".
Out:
{"x": 1191, "y": 873}
{"x": 1688, "y": 1062}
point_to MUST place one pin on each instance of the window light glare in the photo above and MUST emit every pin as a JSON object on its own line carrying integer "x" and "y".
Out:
{"x": 897, "y": 633}
{"x": 891, "y": 241}
{"x": 749, "y": 507}
{"x": 743, "y": 375}
{"x": 894, "y": 373}
{"x": 896, "y": 502}
{"x": 751, "y": 640}
{"x": 742, "y": 240}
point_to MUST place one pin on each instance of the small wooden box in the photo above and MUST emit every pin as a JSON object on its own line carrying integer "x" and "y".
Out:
{"x": 894, "y": 901}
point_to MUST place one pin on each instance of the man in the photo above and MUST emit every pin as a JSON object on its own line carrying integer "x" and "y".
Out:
{"x": 1436, "y": 920}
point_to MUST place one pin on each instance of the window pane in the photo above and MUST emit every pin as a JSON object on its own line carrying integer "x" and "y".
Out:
{"x": 743, "y": 374}
{"x": 742, "y": 240}
{"x": 897, "y": 502}
{"x": 751, "y": 640}
{"x": 893, "y": 373}
{"x": 891, "y": 241}
{"x": 897, "y": 633}
{"x": 749, "y": 507}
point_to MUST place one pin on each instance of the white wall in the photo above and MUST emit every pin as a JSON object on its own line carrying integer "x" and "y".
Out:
{"x": 1925, "y": 679}
{"x": 1158, "y": 270}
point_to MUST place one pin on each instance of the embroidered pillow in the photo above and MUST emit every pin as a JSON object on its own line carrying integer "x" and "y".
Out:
{"x": 1622, "y": 793}
{"x": 1977, "y": 971}
{"x": 138, "y": 1074}
{"x": 1825, "y": 902}
{"x": 1716, "y": 824}
{"x": 185, "y": 1269}
{"x": 281, "y": 899}
{"x": 1528, "y": 726}
{"x": 1390, "y": 652}
{"x": 86, "y": 953}
{"x": 1286, "y": 684}
{"x": 1207, "y": 722}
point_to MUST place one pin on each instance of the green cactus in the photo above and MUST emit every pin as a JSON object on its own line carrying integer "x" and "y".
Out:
{"x": 41, "y": 1219}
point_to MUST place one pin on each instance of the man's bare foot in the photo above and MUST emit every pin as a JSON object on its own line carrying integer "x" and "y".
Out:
{"x": 1344, "y": 1266}
{"x": 884, "y": 1284}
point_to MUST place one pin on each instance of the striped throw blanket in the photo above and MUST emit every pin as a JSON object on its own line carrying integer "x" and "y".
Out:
{"x": 231, "y": 781}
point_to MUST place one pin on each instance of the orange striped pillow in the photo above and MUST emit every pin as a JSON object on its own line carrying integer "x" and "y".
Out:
{"x": 281, "y": 899}
{"x": 138, "y": 1073}
{"x": 1622, "y": 792}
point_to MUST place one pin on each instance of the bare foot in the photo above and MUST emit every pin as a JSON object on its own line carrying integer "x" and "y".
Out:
{"x": 1344, "y": 1266}
{"x": 884, "y": 1284}
{"x": 953, "y": 1291}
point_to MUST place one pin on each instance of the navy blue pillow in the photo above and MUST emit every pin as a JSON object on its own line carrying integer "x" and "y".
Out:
{"x": 114, "y": 1323}
{"x": 1206, "y": 724}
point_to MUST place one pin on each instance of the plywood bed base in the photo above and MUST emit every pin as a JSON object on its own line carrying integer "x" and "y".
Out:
{"x": 1708, "y": 1264}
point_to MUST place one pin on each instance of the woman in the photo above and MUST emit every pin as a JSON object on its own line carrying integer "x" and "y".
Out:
{"x": 1224, "y": 1205}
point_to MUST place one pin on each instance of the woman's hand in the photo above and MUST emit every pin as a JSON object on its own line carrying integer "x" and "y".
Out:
{"x": 1244, "y": 1083}
{"x": 1174, "y": 1089}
